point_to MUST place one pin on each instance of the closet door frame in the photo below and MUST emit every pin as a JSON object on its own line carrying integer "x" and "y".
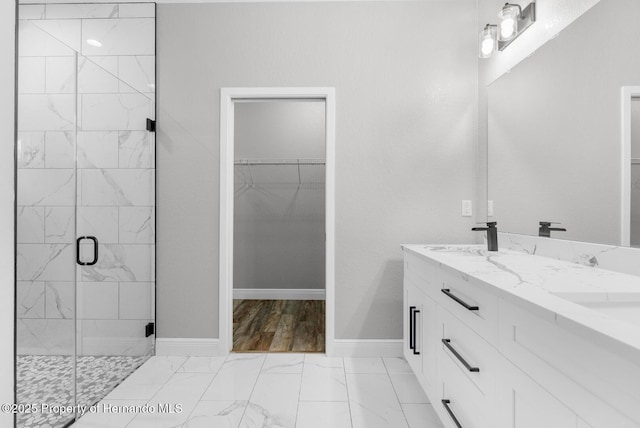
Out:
{"x": 628, "y": 93}
{"x": 228, "y": 96}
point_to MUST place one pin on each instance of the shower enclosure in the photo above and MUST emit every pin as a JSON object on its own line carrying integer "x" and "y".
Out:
{"x": 85, "y": 203}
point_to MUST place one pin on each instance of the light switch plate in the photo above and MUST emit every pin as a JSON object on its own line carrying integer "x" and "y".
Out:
{"x": 467, "y": 210}
{"x": 489, "y": 208}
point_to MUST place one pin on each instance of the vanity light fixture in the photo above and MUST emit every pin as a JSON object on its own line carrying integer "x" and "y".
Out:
{"x": 488, "y": 41}
{"x": 513, "y": 21}
{"x": 508, "y": 18}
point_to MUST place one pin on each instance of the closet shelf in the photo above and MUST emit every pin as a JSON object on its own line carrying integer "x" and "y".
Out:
{"x": 272, "y": 162}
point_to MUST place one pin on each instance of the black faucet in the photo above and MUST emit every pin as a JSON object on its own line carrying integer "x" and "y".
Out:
{"x": 545, "y": 229}
{"x": 492, "y": 235}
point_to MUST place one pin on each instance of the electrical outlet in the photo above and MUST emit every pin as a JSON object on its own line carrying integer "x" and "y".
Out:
{"x": 467, "y": 210}
{"x": 489, "y": 208}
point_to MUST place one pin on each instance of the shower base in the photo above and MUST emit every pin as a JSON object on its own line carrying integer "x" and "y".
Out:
{"x": 48, "y": 379}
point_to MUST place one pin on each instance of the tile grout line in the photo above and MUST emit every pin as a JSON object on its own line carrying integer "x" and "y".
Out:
{"x": 346, "y": 387}
{"x": 295, "y": 420}
{"x": 396, "y": 393}
{"x": 254, "y": 385}
{"x": 160, "y": 389}
{"x": 205, "y": 389}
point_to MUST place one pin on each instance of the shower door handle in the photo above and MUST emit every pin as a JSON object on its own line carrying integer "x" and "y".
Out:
{"x": 95, "y": 251}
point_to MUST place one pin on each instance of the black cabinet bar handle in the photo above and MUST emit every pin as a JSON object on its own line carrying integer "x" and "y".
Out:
{"x": 447, "y": 343}
{"x": 411, "y": 309}
{"x": 415, "y": 351}
{"x": 459, "y": 300}
{"x": 412, "y": 344}
{"x": 446, "y": 403}
{"x": 95, "y": 251}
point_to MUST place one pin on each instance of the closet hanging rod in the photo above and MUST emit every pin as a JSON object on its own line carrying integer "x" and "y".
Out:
{"x": 635, "y": 161}
{"x": 293, "y": 162}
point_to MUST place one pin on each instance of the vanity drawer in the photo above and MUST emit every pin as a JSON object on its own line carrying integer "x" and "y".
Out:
{"x": 474, "y": 357}
{"x": 476, "y": 308}
{"x": 422, "y": 272}
{"x": 459, "y": 400}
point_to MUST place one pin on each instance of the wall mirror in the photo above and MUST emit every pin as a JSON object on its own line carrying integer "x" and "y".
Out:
{"x": 556, "y": 128}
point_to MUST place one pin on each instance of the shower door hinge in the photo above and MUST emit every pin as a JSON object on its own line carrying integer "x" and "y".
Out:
{"x": 149, "y": 329}
{"x": 151, "y": 125}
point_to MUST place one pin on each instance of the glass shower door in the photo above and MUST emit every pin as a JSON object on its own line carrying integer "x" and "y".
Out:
{"x": 86, "y": 202}
{"x": 115, "y": 211}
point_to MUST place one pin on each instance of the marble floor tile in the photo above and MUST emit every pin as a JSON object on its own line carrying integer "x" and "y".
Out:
{"x": 312, "y": 414}
{"x": 175, "y": 401}
{"x": 106, "y": 417}
{"x": 236, "y": 378}
{"x": 421, "y": 416}
{"x": 321, "y": 360}
{"x": 283, "y": 363}
{"x": 323, "y": 384}
{"x": 245, "y": 355}
{"x": 279, "y": 390}
{"x": 202, "y": 365}
{"x": 148, "y": 379}
{"x": 274, "y": 402}
{"x": 373, "y": 402}
{"x": 396, "y": 365}
{"x": 364, "y": 365}
{"x": 408, "y": 388}
{"x": 218, "y": 414}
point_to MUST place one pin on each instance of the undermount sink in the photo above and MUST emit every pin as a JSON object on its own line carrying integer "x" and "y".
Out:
{"x": 621, "y": 306}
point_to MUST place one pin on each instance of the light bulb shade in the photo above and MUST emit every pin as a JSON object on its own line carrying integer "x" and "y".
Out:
{"x": 488, "y": 42}
{"x": 508, "y": 22}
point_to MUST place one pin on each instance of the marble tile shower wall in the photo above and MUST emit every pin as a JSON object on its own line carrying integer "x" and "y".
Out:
{"x": 90, "y": 115}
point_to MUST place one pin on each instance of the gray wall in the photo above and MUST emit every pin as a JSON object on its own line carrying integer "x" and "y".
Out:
{"x": 7, "y": 183}
{"x": 279, "y": 222}
{"x": 554, "y": 128}
{"x": 406, "y": 88}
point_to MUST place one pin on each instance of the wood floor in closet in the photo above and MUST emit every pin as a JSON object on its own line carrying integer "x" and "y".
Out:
{"x": 278, "y": 325}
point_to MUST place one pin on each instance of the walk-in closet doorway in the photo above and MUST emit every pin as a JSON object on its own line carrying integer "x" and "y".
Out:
{"x": 277, "y": 219}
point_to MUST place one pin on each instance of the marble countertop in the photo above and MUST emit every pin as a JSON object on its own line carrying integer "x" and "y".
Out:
{"x": 553, "y": 289}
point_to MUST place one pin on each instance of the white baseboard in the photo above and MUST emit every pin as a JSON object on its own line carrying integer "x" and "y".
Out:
{"x": 178, "y": 347}
{"x": 367, "y": 348}
{"x": 278, "y": 294}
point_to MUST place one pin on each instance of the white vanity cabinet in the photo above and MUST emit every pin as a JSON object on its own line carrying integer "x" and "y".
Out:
{"x": 419, "y": 326}
{"x": 485, "y": 361}
{"x": 446, "y": 328}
